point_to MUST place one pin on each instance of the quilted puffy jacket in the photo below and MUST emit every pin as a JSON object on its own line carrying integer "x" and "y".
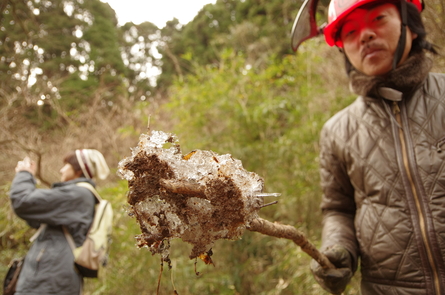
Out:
{"x": 382, "y": 162}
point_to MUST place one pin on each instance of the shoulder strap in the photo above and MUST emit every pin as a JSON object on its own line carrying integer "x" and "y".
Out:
{"x": 68, "y": 235}
{"x": 69, "y": 238}
{"x": 91, "y": 188}
{"x": 41, "y": 228}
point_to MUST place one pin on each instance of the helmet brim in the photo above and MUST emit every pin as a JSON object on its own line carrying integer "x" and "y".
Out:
{"x": 331, "y": 31}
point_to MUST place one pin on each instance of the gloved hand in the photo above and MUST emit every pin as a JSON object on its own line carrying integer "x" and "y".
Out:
{"x": 334, "y": 280}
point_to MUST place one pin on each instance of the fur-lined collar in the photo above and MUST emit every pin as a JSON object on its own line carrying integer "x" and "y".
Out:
{"x": 404, "y": 80}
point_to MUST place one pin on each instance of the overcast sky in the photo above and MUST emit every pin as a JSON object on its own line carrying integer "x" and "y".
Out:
{"x": 156, "y": 11}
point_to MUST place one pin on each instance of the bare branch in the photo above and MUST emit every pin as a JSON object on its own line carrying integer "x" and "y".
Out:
{"x": 33, "y": 151}
{"x": 291, "y": 233}
{"x": 174, "y": 60}
{"x": 258, "y": 225}
{"x": 183, "y": 187}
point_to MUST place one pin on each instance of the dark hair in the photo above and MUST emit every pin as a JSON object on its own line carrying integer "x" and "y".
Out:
{"x": 71, "y": 159}
{"x": 415, "y": 24}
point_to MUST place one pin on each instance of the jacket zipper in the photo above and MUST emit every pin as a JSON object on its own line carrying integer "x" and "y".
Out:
{"x": 39, "y": 257}
{"x": 396, "y": 111}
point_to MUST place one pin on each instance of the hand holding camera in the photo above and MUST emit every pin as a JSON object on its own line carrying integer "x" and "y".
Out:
{"x": 26, "y": 165}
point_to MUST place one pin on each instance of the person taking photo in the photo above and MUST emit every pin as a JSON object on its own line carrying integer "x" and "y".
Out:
{"x": 49, "y": 264}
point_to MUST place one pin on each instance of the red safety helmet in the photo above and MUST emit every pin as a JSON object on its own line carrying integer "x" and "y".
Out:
{"x": 339, "y": 9}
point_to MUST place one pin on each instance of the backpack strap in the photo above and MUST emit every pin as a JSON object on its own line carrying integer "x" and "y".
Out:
{"x": 91, "y": 189}
{"x": 69, "y": 238}
{"x": 68, "y": 235}
{"x": 41, "y": 228}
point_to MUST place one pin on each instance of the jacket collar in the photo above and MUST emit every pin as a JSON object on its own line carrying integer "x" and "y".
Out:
{"x": 395, "y": 85}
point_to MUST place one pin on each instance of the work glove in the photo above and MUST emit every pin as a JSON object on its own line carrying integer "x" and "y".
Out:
{"x": 334, "y": 280}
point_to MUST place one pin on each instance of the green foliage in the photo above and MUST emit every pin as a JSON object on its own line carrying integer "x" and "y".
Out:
{"x": 104, "y": 39}
{"x": 76, "y": 91}
{"x": 223, "y": 25}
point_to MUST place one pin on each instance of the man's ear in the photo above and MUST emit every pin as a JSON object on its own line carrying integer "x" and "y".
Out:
{"x": 79, "y": 173}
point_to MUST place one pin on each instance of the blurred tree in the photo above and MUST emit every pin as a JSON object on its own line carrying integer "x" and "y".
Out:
{"x": 139, "y": 50}
{"x": 260, "y": 29}
{"x": 57, "y": 44}
{"x": 61, "y": 71}
{"x": 434, "y": 19}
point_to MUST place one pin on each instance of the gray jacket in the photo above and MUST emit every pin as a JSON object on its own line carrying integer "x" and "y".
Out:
{"x": 383, "y": 178}
{"x": 49, "y": 264}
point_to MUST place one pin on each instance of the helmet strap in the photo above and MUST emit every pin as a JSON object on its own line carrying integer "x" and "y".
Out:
{"x": 402, "y": 40}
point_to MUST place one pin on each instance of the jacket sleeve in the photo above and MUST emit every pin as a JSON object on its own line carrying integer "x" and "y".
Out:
{"x": 57, "y": 206}
{"x": 337, "y": 204}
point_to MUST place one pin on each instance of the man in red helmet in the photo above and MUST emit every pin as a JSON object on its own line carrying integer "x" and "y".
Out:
{"x": 381, "y": 160}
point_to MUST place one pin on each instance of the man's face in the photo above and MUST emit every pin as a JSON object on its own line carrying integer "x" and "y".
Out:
{"x": 370, "y": 37}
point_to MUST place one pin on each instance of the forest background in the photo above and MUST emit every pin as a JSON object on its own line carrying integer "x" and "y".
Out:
{"x": 71, "y": 77}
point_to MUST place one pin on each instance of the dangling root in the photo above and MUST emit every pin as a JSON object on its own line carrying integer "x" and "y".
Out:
{"x": 160, "y": 276}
